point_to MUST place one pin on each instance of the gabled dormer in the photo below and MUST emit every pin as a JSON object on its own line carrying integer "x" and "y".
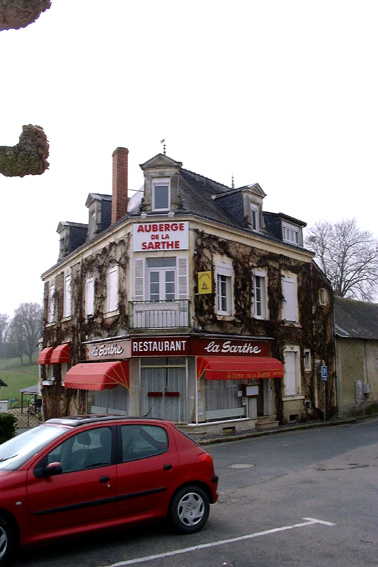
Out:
{"x": 253, "y": 196}
{"x": 99, "y": 210}
{"x": 71, "y": 236}
{"x": 161, "y": 185}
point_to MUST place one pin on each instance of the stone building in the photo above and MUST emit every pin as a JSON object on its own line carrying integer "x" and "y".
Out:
{"x": 187, "y": 301}
{"x": 356, "y": 331}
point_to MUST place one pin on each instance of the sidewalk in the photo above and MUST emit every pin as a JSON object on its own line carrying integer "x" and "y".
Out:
{"x": 239, "y": 435}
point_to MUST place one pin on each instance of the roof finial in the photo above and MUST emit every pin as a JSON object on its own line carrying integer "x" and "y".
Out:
{"x": 232, "y": 181}
{"x": 164, "y": 147}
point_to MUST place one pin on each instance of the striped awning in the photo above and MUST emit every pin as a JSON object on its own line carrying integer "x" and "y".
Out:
{"x": 98, "y": 375}
{"x": 238, "y": 367}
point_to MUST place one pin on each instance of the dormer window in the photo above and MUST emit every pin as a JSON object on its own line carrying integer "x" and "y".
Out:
{"x": 255, "y": 225}
{"x": 290, "y": 233}
{"x": 161, "y": 198}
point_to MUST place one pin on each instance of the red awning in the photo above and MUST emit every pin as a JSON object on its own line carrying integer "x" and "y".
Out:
{"x": 238, "y": 367}
{"x": 44, "y": 356}
{"x": 61, "y": 354}
{"x": 98, "y": 375}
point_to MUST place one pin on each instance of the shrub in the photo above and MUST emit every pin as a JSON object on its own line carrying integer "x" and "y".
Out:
{"x": 7, "y": 426}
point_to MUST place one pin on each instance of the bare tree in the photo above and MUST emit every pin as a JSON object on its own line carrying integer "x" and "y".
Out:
{"x": 26, "y": 328}
{"x": 4, "y": 324}
{"x": 347, "y": 256}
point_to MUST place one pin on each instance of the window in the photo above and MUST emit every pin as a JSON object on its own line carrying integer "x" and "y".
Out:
{"x": 290, "y": 233}
{"x": 260, "y": 308}
{"x": 290, "y": 301}
{"x": 67, "y": 296}
{"x": 255, "y": 217}
{"x": 161, "y": 198}
{"x": 322, "y": 296}
{"x": 88, "y": 449}
{"x": 307, "y": 360}
{"x": 51, "y": 303}
{"x": 89, "y": 296}
{"x": 112, "y": 289}
{"x": 161, "y": 279}
{"x": 142, "y": 441}
{"x": 224, "y": 288}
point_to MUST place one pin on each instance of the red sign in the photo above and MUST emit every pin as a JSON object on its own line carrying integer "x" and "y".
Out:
{"x": 229, "y": 347}
{"x": 167, "y": 346}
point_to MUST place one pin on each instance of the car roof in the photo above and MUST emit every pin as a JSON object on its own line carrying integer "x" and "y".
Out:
{"x": 78, "y": 420}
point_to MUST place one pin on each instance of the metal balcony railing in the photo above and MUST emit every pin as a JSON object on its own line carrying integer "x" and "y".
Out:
{"x": 159, "y": 314}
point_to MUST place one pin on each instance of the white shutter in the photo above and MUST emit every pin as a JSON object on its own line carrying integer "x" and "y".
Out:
{"x": 290, "y": 303}
{"x": 112, "y": 295}
{"x": 67, "y": 296}
{"x": 182, "y": 277}
{"x": 89, "y": 296}
{"x": 290, "y": 375}
{"x": 139, "y": 279}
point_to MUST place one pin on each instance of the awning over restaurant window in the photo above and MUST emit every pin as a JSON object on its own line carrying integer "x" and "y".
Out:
{"x": 98, "y": 375}
{"x": 61, "y": 354}
{"x": 44, "y": 356}
{"x": 238, "y": 367}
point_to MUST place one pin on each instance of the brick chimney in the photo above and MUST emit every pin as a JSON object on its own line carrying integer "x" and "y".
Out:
{"x": 120, "y": 183}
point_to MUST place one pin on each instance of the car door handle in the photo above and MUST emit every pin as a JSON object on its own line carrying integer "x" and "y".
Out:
{"x": 104, "y": 479}
{"x": 167, "y": 467}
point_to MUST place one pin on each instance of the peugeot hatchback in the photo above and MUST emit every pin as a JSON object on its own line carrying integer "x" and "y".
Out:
{"x": 84, "y": 474}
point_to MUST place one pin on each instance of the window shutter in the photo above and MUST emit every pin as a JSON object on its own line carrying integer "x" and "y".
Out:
{"x": 89, "y": 296}
{"x": 113, "y": 288}
{"x": 182, "y": 276}
{"x": 139, "y": 279}
{"x": 290, "y": 304}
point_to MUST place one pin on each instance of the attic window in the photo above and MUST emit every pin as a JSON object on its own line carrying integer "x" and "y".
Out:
{"x": 161, "y": 197}
{"x": 290, "y": 233}
{"x": 254, "y": 217}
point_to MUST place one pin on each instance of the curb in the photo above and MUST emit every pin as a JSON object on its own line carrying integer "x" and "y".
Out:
{"x": 239, "y": 436}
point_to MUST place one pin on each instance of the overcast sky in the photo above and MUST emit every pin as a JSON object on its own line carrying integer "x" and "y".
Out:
{"x": 279, "y": 92}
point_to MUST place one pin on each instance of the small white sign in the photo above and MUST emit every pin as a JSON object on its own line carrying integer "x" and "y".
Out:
{"x": 160, "y": 236}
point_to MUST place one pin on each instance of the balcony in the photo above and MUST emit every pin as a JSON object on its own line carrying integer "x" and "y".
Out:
{"x": 159, "y": 314}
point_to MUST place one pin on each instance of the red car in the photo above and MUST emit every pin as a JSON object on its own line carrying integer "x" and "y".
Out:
{"x": 83, "y": 474}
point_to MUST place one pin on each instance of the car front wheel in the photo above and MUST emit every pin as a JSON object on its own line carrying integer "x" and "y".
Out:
{"x": 7, "y": 541}
{"x": 189, "y": 509}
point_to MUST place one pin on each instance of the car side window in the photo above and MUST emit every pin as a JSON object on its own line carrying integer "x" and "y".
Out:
{"x": 141, "y": 441}
{"x": 88, "y": 449}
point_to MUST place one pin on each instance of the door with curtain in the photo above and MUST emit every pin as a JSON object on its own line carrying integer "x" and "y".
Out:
{"x": 163, "y": 388}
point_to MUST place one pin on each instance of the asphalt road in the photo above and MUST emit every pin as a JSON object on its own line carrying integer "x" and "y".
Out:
{"x": 302, "y": 498}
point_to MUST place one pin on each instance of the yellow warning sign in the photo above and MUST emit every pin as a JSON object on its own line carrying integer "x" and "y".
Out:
{"x": 205, "y": 282}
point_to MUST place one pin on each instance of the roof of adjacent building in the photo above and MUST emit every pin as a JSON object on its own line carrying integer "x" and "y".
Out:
{"x": 356, "y": 319}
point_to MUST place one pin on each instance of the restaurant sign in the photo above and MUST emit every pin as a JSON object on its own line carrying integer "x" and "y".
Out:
{"x": 160, "y": 236}
{"x": 113, "y": 350}
{"x": 228, "y": 347}
{"x": 167, "y": 346}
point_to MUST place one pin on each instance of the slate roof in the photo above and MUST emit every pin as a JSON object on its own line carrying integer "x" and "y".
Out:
{"x": 356, "y": 319}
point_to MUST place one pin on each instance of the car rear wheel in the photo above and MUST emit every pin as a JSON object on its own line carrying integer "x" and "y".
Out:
{"x": 189, "y": 509}
{"x": 7, "y": 541}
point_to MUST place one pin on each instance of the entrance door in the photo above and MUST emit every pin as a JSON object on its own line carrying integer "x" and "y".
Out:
{"x": 163, "y": 388}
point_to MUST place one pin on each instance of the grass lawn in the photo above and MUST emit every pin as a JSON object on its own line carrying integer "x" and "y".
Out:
{"x": 17, "y": 376}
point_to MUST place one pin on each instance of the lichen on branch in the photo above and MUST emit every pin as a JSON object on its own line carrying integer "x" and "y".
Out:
{"x": 28, "y": 157}
{"x": 16, "y": 14}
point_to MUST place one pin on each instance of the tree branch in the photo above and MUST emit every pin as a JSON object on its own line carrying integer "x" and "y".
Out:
{"x": 30, "y": 155}
{"x": 16, "y": 14}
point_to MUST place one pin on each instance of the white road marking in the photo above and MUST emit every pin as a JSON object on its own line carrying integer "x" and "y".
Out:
{"x": 308, "y": 522}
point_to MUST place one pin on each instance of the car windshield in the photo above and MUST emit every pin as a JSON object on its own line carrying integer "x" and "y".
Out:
{"x": 17, "y": 451}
